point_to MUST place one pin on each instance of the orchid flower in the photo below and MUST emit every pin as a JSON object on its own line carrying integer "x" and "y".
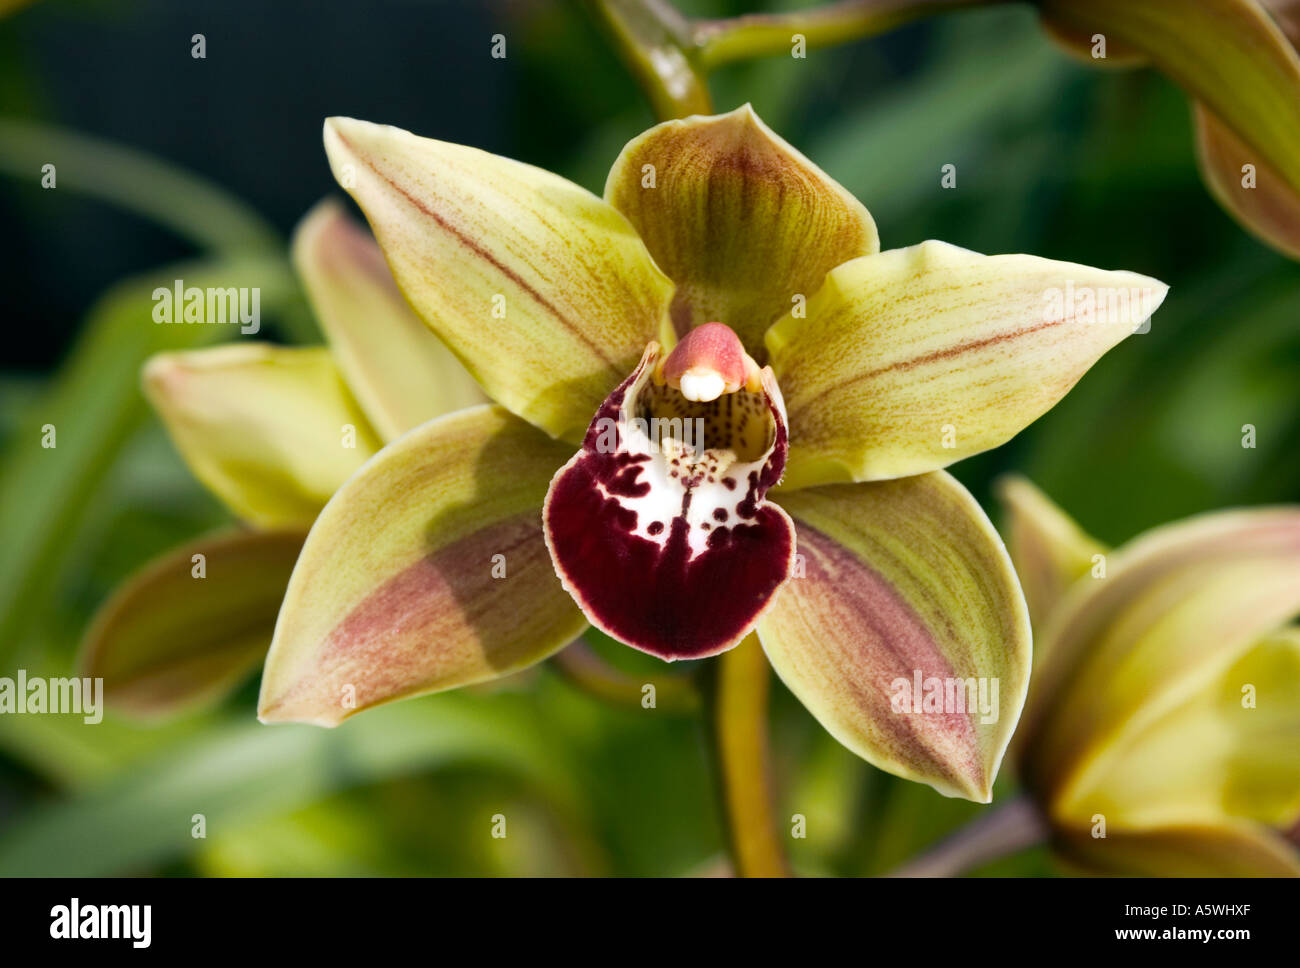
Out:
{"x": 720, "y": 409}
{"x": 272, "y": 431}
{"x": 1162, "y": 732}
{"x": 1238, "y": 62}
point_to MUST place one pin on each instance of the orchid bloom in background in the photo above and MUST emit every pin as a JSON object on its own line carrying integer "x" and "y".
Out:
{"x": 272, "y": 431}
{"x": 1238, "y": 62}
{"x": 725, "y": 284}
{"x": 1162, "y": 731}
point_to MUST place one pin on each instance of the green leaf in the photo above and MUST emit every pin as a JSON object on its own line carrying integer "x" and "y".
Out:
{"x": 240, "y": 772}
{"x": 93, "y": 406}
{"x": 190, "y": 206}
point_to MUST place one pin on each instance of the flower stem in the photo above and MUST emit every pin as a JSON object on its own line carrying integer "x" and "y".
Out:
{"x": 1003, "y": 830}
{"x": 653, "y": 39}
{"x": 718, "y": 42}
{"x": 741, "y": 683}
{"x": 586, "y": 670}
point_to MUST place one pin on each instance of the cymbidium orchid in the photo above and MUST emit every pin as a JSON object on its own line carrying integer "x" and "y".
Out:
{"x": 272, "y": 431}
{"x": 1162, "y": 731}
{"x": 1238, "y": 62}
{"x": 719, "y": 409}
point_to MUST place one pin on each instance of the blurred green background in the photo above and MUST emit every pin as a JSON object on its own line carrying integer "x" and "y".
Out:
{"x": 165, "y": 160}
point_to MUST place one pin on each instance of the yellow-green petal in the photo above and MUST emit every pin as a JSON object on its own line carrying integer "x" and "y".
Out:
{"x": 426, "y": 571}
{"x": 1050, "y": 551}
{"x": 1232, "y": 749}
{"x": 399, "y": 372}
{"x": 903, "y": 629}
{"x": 1249, "y": 188}
{"x": 542, "y": 290}
{"x": 744, "y": 224}
{"x": 912, "y": 359}
{"x": 272, "y": 431}
{"x": 1177, "y": 608}
{"x": 192, "y": 624}
{"x": 1227, "y": 849}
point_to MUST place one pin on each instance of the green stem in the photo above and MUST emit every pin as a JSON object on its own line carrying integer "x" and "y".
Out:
{"x": 653, "y": 39}
{"x": 587, "y": 671}
{"x": 1005, "y": 829}
{"x": 718, "y": 42}
{"x": 671, "y": 56}
{"x": 741, "y": 682}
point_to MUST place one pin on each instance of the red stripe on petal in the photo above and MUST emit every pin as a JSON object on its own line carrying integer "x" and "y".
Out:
{"x": 870, "y": 637}
{"x": 430, "y": 621}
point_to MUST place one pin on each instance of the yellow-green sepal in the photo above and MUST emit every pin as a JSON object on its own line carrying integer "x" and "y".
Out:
{"x": 903, "y": 630}
{"x": 399, "y": 372}
{"x": 1174, "y": 611}
{"x": 272, "y": 431}
{"x": 426, "y": 571}
{"x": 1049, "y": 549}
{"x": 742, "y": 222}
{"x": 1254, "y": 192}
{"x": 1238, "y": 62}
{"x": 191, "y": 625}
{"x": 1231, "y": 749}
{"x": 914, "y": 358}
{"x": 541, "y": 289}
{"x": 1231, "y": 848}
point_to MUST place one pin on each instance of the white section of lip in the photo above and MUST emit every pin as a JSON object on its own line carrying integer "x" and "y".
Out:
{"x": 667, "y": 480}
{"x": 702, "y": 385}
